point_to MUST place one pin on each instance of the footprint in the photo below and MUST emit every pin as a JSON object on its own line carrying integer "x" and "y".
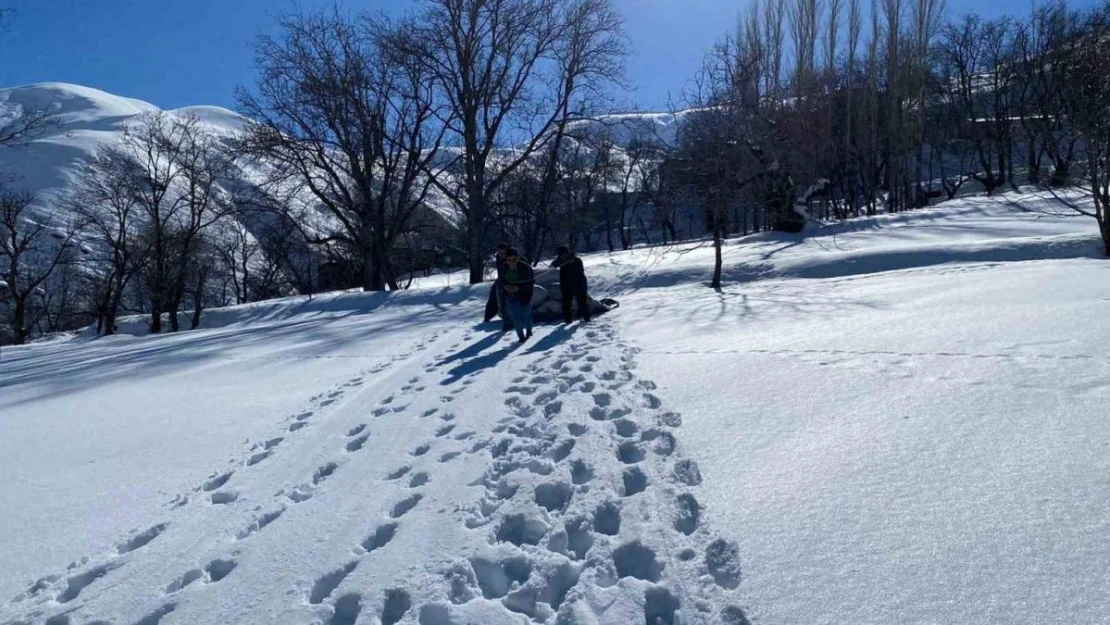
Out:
{"x": 217, "y": 481}
{"x": 328, "y": 582}
{"x": 635, "y": 481}
{"x": 300, "y": 494}
{"x": 722, "y": 558}
{"x": 625, "y": 428}
{"x": 444, "y": 431}
{"x": 497, "y": 577}
{"x": 224, "y": 497}
{"x": 451, "y": 455}
{"x": 670, "y": 419}
{"x": 155, "y": 617}
{"x": 142, "y": 539}
{"x": 259, "y": 523}
{"x": 562, "y": 450}
{"x": 429, "y": 412}
{"x": 580, "y": 472}
{"x": 421, "y": 450}
{"x": 398, "y": 473}
{"x": 293, "y": 427}
{"x": 520, "y": 530}
{"x": 355, "y": 431}
{"x": 347, "y": 609}
{"x": 356, "y": 444}
{"x": 272, "y": 443}
{"x": 378, "y": 412}
{"x": 81, "y": 581}
{"x": 403, "y": 507}
{"x": 324, "y": 472}
{"x": 607, "y": 519}
{"x": 688, "y": 514}
{"x": 652, "y": 401}
{"x": 188, "y": 577}
{"x": 577, "y": 429}
{"x": 447, "y": 417}
{"x": 630, "y": 453}
{"x": 418, "y": 479}
{"x": 259, "y": 457}
{"x": 380, "y": 538}
{"x": 553, "y": 496}
{"x": 660, "y": 605}
{"x": 545, "y": 398}
{"x": 217, "y": 570}
{"x": 687, "y": 472}
{"x": 733, "y": 615}
{"x": 397, "y": 603}
{"x": 304, "y": 416}
{"x": 635, "y": 560}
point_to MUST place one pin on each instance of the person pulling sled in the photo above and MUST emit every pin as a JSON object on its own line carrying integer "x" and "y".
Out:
{"x": 572, "y": 283}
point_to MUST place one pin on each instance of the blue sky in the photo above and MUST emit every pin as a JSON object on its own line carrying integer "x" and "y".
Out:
{"x": 177, "y": 53}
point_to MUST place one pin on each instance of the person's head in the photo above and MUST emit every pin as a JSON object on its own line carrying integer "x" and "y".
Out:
{"x": 512, "y": 256}
{"x": 502, "y": 248}
{"x": 563, "y": 251}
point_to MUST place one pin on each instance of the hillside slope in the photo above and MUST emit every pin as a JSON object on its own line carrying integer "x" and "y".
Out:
{"x": 901, "y": 423}
{"x": 83, "y": 119}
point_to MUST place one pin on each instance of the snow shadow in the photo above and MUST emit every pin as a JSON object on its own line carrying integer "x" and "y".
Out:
{"x": 475, "y": 359}
{"x": 292, "y": 330}
{"x": 559, "y": 335}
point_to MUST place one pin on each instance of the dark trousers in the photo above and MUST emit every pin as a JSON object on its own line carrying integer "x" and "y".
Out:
{"x": 570, "y": 296}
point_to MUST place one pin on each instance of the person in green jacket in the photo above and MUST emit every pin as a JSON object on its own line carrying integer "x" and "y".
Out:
{"x": 519, "y": 280}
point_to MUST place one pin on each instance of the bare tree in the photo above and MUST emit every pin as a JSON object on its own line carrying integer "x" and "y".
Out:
{"x": 805, "y": 23}
{"x": 29, "y": 254}
{"x": 156, "y": 143}
{"x": 344, "y": 112}
{"x": 1088, "y": 104}
{"x": 238, "y": 254}
{"x": 511, "y": 72}
{"x": 107, "y": 204}
{"x": 207, "y": 167}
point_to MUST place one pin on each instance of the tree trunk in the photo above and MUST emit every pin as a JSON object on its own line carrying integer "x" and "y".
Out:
{"x": 1104, "y": 229}
{"x": 718, "y": 262}
{"x": 19, "y": 321}
{"x": 156, "y": 315}
{"x": 476, "y": 228}
{"x": 609, "y": 226}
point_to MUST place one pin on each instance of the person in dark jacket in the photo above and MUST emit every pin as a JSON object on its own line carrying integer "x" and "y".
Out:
{"x": 519, "y": 283}
{"x": 495, "y": 306}
{"x": 572, "y": 283}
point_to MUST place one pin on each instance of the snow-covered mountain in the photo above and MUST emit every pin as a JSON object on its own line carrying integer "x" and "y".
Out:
{"x": 84, "y": 119}
{"x": 891, "y": 420}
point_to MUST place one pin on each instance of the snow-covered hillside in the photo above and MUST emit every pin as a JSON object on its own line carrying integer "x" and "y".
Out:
{"x": 898, "y": 420}
{"x": 82, "y": 119}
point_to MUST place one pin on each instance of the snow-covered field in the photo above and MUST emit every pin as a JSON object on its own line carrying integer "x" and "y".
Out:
{"x": 902, "y": 420}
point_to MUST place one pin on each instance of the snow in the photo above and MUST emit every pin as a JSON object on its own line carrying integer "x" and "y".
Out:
{"x": 82, "y": 120}
{"x": 895, "y": 420}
